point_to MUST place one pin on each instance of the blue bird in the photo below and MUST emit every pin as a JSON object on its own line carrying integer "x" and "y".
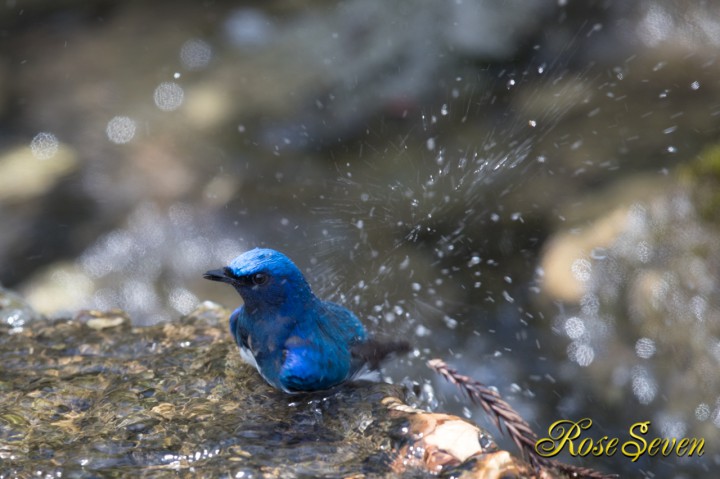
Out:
{"x": 296, "y": 341}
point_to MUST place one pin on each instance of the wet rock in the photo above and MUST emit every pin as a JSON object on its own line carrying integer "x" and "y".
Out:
{"x": 103, "y": 319}
{"x": 58, "y": 287}
{"x": 94, "y": 395}
{"x": 441, "y": 443}
{"x": 567, "y": 256}
{"x": 31, "y": 171}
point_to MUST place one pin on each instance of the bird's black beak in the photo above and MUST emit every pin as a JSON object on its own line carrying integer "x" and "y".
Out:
{"x": 217, "y": 275}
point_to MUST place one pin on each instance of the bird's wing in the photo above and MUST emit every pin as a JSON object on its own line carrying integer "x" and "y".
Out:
{"x": 242, "y": 338}
{"x": 308, "y": 366}
{"x": 366, "y": 352}
{"x": 237, "y": 328}
{"x": 342, "y": 324}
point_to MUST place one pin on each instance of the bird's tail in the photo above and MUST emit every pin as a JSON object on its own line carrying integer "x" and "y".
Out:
{"x": 372, "y": 352}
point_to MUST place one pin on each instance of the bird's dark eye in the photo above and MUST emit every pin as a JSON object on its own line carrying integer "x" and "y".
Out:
{"x": 259, "y": 279}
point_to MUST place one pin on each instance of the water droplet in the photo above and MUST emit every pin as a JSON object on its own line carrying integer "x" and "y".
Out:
{"x": 120, "y": 129}
{"x": 444, "y": 110}
{"x": 169, "y": 96}
{"x": 430, "y": 144}
{"x": 671, "y": 149}
{"x": 532, "y": 123}
{"x": 598, "y": 253}
{"x": 44, "y": 146}
{"x": 695, "y": 85}
{"x": 422, "y": 331}
{"x": 451, "y": 323}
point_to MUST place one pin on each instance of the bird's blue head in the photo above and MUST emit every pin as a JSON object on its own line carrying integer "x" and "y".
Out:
{"x": 264, "y": 277}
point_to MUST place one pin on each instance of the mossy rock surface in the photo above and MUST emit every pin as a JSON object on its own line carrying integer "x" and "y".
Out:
{"x": 93, "y": 396}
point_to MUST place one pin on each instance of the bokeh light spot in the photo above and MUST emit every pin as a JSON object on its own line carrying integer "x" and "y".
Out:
{"x": 581, "y": 353}
{"x": 581, "y": 269}
{"x": 183, "y": 301}
{"x": 120, "y": 129}
{"x": 645, "y": 348}
{"x": 702, "y": 412}
{"x": 195, "y": 54}
{"x": 44, "y": 146}
{"x": 644, "y": 386}
{"x": 249, "y": 28}
{"x": 169, "y": 96}
{"x": 574, "y": 327}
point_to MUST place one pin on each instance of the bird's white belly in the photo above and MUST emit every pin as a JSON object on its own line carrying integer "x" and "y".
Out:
{"x": 248, "y": 357}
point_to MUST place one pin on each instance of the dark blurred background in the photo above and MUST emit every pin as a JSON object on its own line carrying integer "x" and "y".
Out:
{"x": 525, "y": 188}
